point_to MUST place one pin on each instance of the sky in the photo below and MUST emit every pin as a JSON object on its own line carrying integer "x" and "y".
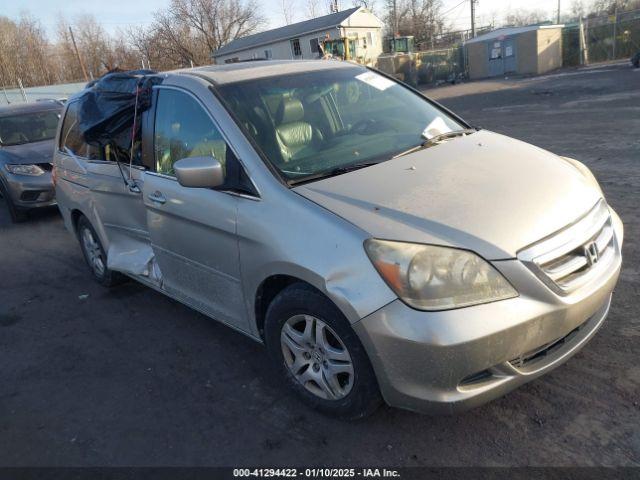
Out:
{"x": 114, "y": 14}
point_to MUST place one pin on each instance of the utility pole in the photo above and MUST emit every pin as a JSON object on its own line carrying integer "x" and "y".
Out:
{"x": 75, "y": 47}
{"x": 395, "y": 22}
{"x": 558, "y": 21}
{"x": 473, "y": 18}
{"x": 584, "y": 46}
{"x": 615, "y": 30}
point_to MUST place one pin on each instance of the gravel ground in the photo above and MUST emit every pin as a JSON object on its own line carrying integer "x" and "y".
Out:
{"x": 129, "y": 377}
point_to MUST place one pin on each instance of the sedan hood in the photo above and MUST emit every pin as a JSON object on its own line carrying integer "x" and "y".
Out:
{"x": 36, "y": 152}
{"x": 484, "y": 192}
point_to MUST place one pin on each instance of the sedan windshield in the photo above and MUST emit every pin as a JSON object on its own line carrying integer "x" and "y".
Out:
{"x": 28, "y": 127}
{"x": 319, "y": 124}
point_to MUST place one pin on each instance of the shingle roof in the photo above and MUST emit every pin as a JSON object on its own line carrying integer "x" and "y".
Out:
{"x": 507, "y": 31}
{"x": 286, "y": 32}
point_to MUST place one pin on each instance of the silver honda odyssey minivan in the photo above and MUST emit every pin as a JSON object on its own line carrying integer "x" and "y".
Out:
{"x": 379, "y": 246}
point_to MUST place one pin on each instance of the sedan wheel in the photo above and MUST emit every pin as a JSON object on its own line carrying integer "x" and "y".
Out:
{"x": 317, "y": 357}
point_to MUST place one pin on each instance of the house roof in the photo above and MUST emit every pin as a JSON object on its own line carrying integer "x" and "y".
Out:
{"x": 508, "y": 31}
{"x": 284, "y": 33}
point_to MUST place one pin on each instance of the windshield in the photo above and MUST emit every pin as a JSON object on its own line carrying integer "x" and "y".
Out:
{"x": 28, "y": 127}
{"x": 317, "y": 124}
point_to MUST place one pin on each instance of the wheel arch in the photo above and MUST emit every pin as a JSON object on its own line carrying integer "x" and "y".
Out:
{"x": 285, "y": 275}
{"x": 267, "y": 291}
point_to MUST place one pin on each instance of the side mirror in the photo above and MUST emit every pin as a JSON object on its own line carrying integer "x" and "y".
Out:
{"x": 199, "y": 172}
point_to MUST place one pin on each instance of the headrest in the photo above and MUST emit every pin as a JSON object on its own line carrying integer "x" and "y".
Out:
{"x": 290, "y": 110}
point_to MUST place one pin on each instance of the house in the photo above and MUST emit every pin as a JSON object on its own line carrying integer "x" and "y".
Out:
{"x": 534, "y": 49}
{"x": 301, "y": 40}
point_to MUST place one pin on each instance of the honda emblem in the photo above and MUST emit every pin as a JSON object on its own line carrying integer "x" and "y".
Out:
{"x": 591, "y": 253}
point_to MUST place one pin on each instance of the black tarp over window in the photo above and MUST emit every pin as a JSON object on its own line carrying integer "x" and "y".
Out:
{"x": 107, "y": 108}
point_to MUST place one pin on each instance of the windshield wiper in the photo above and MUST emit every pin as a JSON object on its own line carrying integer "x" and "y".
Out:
{"x": 333, "y": 172}
{"x": 437, "y": 139}
{"x": 349, "y": 168}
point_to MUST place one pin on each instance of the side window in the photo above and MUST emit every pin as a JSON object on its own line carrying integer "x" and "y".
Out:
{"x": 71, "y": 138}
{"x": 183, "y": 129}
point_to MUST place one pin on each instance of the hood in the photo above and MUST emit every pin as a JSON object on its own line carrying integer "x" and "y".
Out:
{"x": 484, "y": 192}
{"x": 36, "y": 152}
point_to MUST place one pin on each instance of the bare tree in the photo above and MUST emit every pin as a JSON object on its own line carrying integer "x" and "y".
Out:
{"x": 25, "y": 53}
{"x": 368, "y": 4}
{"x": 523, "y": 17}
{"x": 578, "y": 8}
{"x": 185, "y": 33}
{"x": 313, "y": 9}
{"x": 420, "y": 18}
{"x": 287, "y": 11}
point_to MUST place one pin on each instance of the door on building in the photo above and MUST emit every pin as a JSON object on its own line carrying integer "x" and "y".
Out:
{"x": 509, "y": 55}
{"x": 496, "y": 60}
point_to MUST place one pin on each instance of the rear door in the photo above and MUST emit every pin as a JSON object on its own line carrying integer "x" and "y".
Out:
{"x": 98, "y": 183}
{"x": 193, "y": 230}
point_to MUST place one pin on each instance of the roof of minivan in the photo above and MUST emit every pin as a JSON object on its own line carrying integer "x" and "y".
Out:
{"x": 17, "y": 108}
{"x": 240, "y": 71}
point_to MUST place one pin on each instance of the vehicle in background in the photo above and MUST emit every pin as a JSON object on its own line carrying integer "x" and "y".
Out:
{"x": 399, "y": 59}
{"x": 377, "y": 244}
{"x": 27, "y": 131}
{"x": 635, "y": 60}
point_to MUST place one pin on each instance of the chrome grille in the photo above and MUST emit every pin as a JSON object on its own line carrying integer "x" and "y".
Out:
{"x": 575, "y": 255}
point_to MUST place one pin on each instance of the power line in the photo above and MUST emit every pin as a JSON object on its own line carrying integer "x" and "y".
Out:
{"x": 453, "y": 8}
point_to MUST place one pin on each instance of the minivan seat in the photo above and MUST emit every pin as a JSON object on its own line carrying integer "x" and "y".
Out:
{"x": 295, "y": 137}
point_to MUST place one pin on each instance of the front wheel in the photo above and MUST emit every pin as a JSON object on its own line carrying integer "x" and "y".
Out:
{"x": 319, "y": 354}
{"x": 95, "y": 255}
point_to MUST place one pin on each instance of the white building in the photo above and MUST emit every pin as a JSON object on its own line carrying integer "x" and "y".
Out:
{"x": 300, "y": 40}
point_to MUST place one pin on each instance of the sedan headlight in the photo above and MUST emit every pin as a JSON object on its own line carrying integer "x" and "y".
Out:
{"x": 30, "y": 170}
{"x": 429, "y": 277}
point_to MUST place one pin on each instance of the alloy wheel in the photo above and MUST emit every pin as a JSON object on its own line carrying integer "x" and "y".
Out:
{"x": 93, "y": 252}
{"x": 317, "y": 357}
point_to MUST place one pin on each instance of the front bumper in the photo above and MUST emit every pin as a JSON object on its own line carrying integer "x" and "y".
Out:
{"x": 450, "y": 361}
{"x": 30, "y": 192}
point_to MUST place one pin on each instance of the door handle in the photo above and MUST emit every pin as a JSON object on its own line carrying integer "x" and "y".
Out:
{"x": 157, "y": 197}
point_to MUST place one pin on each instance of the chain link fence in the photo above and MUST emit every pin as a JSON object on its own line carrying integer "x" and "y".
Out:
{"x": 440, "y": 66}
{"x": 606, "y": 38}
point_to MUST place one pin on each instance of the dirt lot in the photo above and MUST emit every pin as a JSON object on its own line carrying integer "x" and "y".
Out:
{"x": 129, "y": 377}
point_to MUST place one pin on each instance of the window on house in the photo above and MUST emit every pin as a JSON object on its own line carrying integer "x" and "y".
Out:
{"x": 369, "y": 38}
{"x": 313, "y": 43}
{"x": 295, "y": 47}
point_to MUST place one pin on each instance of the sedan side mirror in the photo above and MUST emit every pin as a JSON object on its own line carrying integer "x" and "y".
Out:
{"x": 199, "y": 172}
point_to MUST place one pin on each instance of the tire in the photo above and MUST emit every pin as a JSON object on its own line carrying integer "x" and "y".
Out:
{"x": 95, "y": 255}
{"x": 16, "y": 214}
{"x": 293, "y": 317}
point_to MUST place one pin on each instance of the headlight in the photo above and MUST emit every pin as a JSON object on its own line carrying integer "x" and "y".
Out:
{"x": 428, "y": 277}
{"x": 31, "y": 170}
